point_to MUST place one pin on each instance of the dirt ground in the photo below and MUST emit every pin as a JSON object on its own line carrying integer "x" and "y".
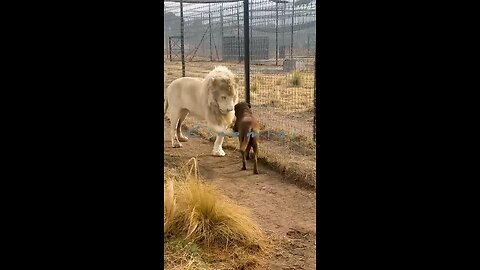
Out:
{"x": 286, "y": 212}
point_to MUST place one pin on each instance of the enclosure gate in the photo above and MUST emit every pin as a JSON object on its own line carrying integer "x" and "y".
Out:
{"x": 175, "y": 50}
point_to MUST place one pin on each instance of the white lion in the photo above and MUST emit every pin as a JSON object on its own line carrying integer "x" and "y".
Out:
{"x": 212, "y": 99}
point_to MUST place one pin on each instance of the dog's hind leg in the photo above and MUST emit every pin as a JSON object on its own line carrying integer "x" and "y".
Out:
{"x": 249, "y": 146}
{"x": 255, "y": 155}
{"x": 243, "y": 153}
{"x": 244, "y": 160}
{"x": 183, "y": 115}
{"x": 173, "y": 128}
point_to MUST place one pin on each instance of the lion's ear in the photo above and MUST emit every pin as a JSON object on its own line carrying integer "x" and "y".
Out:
{"x": 214, "y": 81}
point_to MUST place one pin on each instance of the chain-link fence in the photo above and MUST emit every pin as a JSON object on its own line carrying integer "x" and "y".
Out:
{"x": 282, "y": 54}
{"x": 206, "y": 26}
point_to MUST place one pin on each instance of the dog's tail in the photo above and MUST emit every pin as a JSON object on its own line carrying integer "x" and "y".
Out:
{"x": 165, "y": 107}
{"x": 244, "y": 130}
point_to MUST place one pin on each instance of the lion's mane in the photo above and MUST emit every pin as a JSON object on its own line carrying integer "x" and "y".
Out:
{"x": 219, "y": 80}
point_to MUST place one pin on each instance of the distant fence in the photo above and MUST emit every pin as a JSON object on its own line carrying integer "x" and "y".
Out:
{"x": 281, "y": 67}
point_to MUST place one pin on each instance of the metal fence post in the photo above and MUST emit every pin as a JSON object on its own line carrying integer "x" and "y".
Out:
{"x": 238, "y": 33}
{"x": 210, "y": 28}
{"x": 221, "y": 26}
{"x": 250, "y": 15}
{"x": 284, "y": 27}
{"x": 291, "y": 40}
{"x": 276, "y": 34}
{"x": 182, "y": 37}
{"x": 170, "y": 48}
{"x": 246, "y": 46}
{"x": 308, "y": 44}
{"x": 165, "y": 36}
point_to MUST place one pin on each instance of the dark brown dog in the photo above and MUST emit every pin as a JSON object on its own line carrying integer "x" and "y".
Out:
{"x": 248, "y": 129}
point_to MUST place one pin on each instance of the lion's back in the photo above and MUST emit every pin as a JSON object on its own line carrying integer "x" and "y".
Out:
{"x": 185, "y": 84}
{"x": 186, "y": 93}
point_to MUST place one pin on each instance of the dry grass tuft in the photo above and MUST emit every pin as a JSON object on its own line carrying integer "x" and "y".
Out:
{"x": 256, "y": 83}
{"x": 200, "y": 221}
{"x": 197, "y": 212}
{"x": 276, "y": 98}
{"x": 170, "y": 206}
{"x": 178, "y": 255}
{"x": 207, "y": 218}
{"x": 253, "y": 88}
{"x": 297, "y": 79}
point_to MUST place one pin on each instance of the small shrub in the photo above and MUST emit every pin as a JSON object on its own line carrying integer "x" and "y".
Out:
{"x": 296, "y": 79}
{"x": 253, "y": 87}
{"x": 259, "y": 80}
{"x": 274, "y": 102}
{"x": 275, "y": 99}
{"x": 256, "y": 83}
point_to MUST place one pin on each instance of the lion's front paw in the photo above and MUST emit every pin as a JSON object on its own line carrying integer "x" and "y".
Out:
{"x": 176, "y": 144}
{"x": 218, "y": 152}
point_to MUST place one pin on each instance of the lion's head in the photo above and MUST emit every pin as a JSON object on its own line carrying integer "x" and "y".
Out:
{"x": 222, "y": 90}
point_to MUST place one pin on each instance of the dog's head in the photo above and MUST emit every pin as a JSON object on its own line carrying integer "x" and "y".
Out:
{"x": 241, "y": 108}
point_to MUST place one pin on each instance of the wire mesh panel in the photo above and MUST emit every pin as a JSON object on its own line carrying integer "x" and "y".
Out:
{"x": 282, "y": 86}
{"x": 282, "y": 54}
{"x": 212, "y": 36}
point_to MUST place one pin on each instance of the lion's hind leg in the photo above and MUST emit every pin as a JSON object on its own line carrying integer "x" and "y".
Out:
{"x": 173, "y": 128}
{"x": 165, "y": 107}
{"x": 183, "y": 115}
